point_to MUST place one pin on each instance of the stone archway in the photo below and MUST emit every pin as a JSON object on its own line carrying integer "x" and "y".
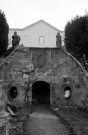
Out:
{"x": 41, "y": 93}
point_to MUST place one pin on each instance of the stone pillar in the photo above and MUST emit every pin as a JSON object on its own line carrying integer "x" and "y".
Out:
{"x": 52, "y": 97}
{"x": 30, "y": 96}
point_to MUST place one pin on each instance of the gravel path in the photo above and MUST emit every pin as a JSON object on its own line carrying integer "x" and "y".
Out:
{"x": 43, "y": 122}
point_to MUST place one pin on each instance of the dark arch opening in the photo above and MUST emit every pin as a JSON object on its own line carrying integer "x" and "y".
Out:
{"x": 13, "y": 92}
{"x": 41, "y": 93}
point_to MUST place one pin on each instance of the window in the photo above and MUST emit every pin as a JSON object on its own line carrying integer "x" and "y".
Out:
{"x": 41, "y": 39}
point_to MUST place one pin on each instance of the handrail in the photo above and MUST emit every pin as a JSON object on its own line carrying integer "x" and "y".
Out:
{"x": 8, "y": 57}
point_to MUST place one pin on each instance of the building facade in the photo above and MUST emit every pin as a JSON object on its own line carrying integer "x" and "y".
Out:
{"x": 39, "y": 34}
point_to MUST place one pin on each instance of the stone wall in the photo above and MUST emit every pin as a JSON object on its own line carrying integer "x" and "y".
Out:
{"x": 55, "y": 66}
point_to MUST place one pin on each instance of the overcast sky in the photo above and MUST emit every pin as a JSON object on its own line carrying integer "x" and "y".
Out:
{"x": 21, "y": 13}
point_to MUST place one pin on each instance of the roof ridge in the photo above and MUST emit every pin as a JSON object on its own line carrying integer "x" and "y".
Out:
{"x": 21, "y": 29}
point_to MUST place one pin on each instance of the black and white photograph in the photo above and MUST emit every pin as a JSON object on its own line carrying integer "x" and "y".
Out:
{"x": 43, "y": 67}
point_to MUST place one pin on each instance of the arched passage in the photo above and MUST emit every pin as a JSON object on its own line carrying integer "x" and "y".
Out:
{"x": 41, "y": 93}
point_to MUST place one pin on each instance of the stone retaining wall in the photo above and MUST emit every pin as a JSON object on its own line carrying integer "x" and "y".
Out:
{"x": 54, "y": 66}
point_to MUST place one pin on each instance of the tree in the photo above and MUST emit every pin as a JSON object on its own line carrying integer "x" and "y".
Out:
{"x": 76, "y": 38}
{"x": 4, "y": 29}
